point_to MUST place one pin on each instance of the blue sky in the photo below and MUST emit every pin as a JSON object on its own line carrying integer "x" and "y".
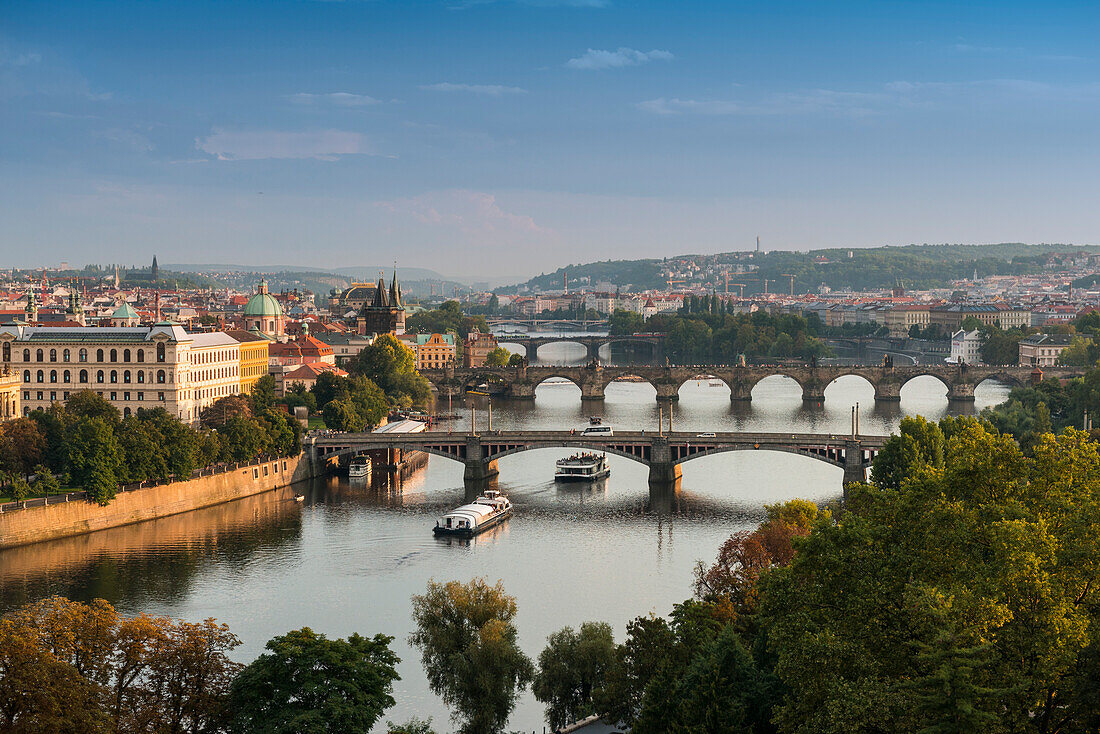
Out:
{"x": 508, "y": 137}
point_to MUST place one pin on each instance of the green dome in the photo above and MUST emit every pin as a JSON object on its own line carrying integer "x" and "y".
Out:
{"x": 124, "y": 311}
{"x": 263, "y": 304}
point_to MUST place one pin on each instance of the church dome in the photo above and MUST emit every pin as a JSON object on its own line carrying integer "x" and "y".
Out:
{"x": 263, "y": 304}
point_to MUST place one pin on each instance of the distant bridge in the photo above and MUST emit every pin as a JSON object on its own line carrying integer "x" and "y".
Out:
{"x": 536, "y": 323}
{"x": 662, "y": 453}
{"x": 592, "y": 344}
{"x": 520, "y": 382}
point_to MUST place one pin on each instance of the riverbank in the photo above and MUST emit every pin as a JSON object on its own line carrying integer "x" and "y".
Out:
{"x": 64, "y": 519}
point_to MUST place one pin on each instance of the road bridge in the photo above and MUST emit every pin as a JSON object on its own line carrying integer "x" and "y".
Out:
{"x": 663, "y": 453}
{"x": 592, "y": 344}
{"x": 520, "y": 382}
{"x": 536, "y": 323}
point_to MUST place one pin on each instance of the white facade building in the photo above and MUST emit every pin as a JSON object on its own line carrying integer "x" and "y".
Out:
{"x": 966, "y": 347}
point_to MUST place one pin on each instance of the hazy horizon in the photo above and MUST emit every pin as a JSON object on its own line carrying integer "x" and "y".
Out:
{"x": 502, "y": 138}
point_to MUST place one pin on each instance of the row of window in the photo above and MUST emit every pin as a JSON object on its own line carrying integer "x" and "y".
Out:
{"x": 66, "y": 376}
{"x": 40, "y": 395}
{"x": 66, "y": 354}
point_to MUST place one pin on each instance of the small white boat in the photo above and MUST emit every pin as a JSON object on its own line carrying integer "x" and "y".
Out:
{"x": 360, "y": 466}
{"x": 582, "y": 467}
{"x": 486, "y": 511}
{"x": 299, "y": 498}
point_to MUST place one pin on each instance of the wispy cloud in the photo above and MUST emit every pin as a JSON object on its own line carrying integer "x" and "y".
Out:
{"x": 814, "y": 101}
{"x": 893, "y": 96}
{"x": 492, "y": 90}
{"x": 340, "y": 99}
{"x": 473, "y": 213}
{"x": 239, "y": 145}
{"x": 603, "y": 59}
{"x": 23, "y": 59}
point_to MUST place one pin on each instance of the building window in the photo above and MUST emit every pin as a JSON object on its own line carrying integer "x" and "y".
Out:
{"x": 114, "y": 396}
{"x": 66, "y": 376}
{"x": 160, "y": 376}
{"x": 65, "y": 395}
{"x": 83, "y": 355}
{"x": 65, "y": 356}
{"x": 99, "y": 355}
{"x": 41, "y": 376}
{"x": 160, "y": 352}
{"x": 141, "y": 355}
{"x": 26, "y": 375}
{"x": 114, "y": 376}
{"x": 83, "y": 376}
{"x": 99, "y": 376}
{"x": 126, "y": 376}
{"x": 114, "y": 355}
{"x": 7, "y": 351}
{"x": 38, "y": 355}
{"x": 53, "y": 355}
{"x": 39, "y": 394}
{"x": 125, "y": 412}
{"x": 141, "y": 396}
{"x": 140, "y": 377}
{"x": 26, "y": 355}
{"x": 26, "y": 394}
{"x": 160, "y": 396}
{"x": 126, "y": 396}
{"x": 53, "y": 375}
{"x": 53, "y": 396}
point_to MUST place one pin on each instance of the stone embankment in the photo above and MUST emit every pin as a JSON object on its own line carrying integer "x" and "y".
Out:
{"x": 61, "y": 519}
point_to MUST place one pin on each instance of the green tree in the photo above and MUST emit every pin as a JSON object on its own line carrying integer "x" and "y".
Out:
{"x": 622, "y": 322}
{"x": 341, "y": 415}
{"x": 498, "y": 357}
{"x": 517, "y": 360}
{"x": 45, "y": 482}
{"x": 90, "y": 404}
{"x": 383, "y": 361}
{"x": 412, "y": 726}
{"x": 468, "y": 647}
{"x": 328, "y": 387}
{"x": 369, "y": 400}
{"x": 919, "y": 445}
{"x": 309, "y": 684}
{"x": 94, "y": 457}
{"x": 22, "y": 446}
{"x": 263, "y": 393}
{"x": 221, "y": 410}
{"x": 244, "y": 439}
{"x": 570, "y": 667}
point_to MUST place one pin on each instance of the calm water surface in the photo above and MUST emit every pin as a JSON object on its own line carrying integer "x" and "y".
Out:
{"x": 349, "y": 558}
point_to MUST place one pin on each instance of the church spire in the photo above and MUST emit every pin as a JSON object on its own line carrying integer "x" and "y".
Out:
{"x": 395, "y": 290}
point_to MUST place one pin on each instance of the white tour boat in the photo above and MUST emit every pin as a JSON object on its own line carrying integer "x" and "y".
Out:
{"x": 488, "y": 510}
{"x": 582, "y": 467}
{"x": 359, "y": 467}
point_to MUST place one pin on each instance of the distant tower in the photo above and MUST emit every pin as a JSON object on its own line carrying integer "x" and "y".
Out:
{"x": 155, "y": 270}
{"x": 31, "y": 311}
{"x": 385, "y": 313}
{"x": 758, "y": 244}
{"x": 76, "y": 310}
{"x": 116, "y": 277}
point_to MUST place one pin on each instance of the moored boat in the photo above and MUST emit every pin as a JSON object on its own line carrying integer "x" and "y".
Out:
{"x": 486, "y": 511}
{"x": 360, "y": 466}
{"x": 582, "y": 467}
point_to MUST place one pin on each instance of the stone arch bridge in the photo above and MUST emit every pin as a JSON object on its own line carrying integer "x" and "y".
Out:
{"x": 664, "y": 454}
{"x": 520, "y": 382}
{"x": 591, "y": 344}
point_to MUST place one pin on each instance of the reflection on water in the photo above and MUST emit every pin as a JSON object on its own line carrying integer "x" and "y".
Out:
{"x": 349, "y": 558}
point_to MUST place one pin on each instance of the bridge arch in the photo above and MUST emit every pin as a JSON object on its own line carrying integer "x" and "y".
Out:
{"x": 823, "y": 456}
{"x": 772, "y": 377}
{"x": 1003, "y": 378}
{"x": 357, "y": 450}
{"x": 925, "y": 373}
{"x": 536, "y": 347}
{"x": 565, "y": 444}
{"x": 861, "y": 376}
{"x": 627, "y": 377}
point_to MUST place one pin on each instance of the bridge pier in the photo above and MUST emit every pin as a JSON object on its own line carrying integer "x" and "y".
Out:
{"x": 667, "y": 392}
{"x": 855, "y": 469}
{"x": 521, "y": 391}
{"x": 888, "y": 392}
{"x": 592, "y": 391}
{"x": 664, "y": 473}
{"x": 740, "y": 392}
{"x": 478, "y": 470}
{"x": 813, "y": 391}
{"x": 960, "y": 392}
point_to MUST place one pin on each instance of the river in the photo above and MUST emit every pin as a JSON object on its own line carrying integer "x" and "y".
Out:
{"x": 349, "y": 558}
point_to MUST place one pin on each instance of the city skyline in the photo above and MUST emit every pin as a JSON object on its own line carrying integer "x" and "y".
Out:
{"x": 508, "y": 138}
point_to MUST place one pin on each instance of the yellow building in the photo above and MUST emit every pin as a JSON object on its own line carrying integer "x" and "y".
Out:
{"x": 254, "y": 358}
{"x": 900, "y": 319}
{"x": 9, "y": 394}
{"x": 433, "y": 351}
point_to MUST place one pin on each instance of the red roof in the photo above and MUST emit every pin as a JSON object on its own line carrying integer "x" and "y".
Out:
{"x": 312, "y": 371}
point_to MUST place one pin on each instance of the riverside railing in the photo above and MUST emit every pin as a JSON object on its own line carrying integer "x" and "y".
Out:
{"x": 206, "y": 471}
